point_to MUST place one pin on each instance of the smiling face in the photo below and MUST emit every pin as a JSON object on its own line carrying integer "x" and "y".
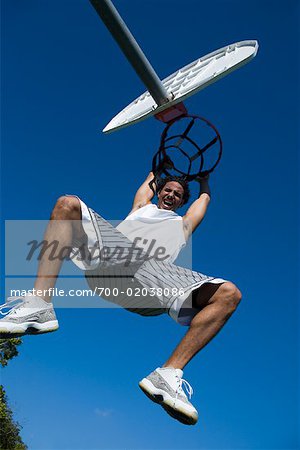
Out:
{"x": 171, "y": 196}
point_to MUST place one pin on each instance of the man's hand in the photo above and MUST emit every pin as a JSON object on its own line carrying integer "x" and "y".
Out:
{"x": 165, "y": 163}
{"x": 202, "y": 179}
{"x": 202, "y": 176}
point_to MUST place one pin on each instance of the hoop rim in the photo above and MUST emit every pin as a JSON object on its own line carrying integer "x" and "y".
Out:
{"x": 164, "y": 139}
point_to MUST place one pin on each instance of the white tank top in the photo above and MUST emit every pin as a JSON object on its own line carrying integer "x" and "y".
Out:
{"x": 158, "y": 232}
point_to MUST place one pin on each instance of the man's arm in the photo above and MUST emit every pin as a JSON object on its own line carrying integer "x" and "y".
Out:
{"x": 196, "y": 212}
{"x": 144, "y": 194}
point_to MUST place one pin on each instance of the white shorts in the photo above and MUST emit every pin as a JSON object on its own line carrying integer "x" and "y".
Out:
{"x": 166, "y": 288}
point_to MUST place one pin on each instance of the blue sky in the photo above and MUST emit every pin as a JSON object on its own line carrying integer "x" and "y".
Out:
{"x": 63, "y": 79}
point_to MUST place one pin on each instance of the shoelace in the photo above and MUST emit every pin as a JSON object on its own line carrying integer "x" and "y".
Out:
{"x": 186, "y": 384}
{"x": 11, "y": 304}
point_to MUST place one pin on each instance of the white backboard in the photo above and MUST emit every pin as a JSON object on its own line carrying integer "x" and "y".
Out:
{"x": 187, "y": 81}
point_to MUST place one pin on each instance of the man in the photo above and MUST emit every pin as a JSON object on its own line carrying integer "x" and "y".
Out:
{"x": 201, "y": 302}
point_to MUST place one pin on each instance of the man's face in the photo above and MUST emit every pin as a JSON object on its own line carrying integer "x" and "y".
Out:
{"x": 171, "y": 195}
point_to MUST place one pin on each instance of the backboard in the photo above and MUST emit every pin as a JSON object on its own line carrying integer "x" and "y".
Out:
{"x": 186, "y": 82}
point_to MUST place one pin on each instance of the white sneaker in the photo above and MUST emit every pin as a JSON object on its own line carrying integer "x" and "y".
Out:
{"x": 164, "y": 386}
{"x": 27, "y": 315}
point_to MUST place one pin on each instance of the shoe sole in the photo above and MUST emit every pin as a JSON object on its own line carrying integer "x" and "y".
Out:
{"x": 12, "y": 329}
{"x": 166, "y": 401}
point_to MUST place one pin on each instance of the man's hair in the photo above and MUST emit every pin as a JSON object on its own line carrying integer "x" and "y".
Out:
{"x": 186, "y": 190}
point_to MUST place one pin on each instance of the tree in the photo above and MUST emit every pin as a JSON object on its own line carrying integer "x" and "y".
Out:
{"x": 10, "y": 438}
{"x": 8, "y": 350}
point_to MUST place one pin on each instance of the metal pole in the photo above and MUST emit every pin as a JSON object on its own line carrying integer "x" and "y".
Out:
{"x": 131, "y": 49}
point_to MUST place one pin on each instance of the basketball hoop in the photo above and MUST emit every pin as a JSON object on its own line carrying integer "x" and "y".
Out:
{"x": 164, "y": 98}
{"x": 165, "y": 162}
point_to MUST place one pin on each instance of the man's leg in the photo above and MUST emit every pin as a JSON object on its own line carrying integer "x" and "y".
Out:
{"x": 32, "y": 313}
{"x": 164, "y": 385}
{"x": 65, "y": 223}
{"x": 207, "y": 323}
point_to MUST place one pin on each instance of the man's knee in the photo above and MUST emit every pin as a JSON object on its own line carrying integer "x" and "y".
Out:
{"x": 68, "y": 206}
{"x": 68, "y": 201}
{"x": 229, "y": 295}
